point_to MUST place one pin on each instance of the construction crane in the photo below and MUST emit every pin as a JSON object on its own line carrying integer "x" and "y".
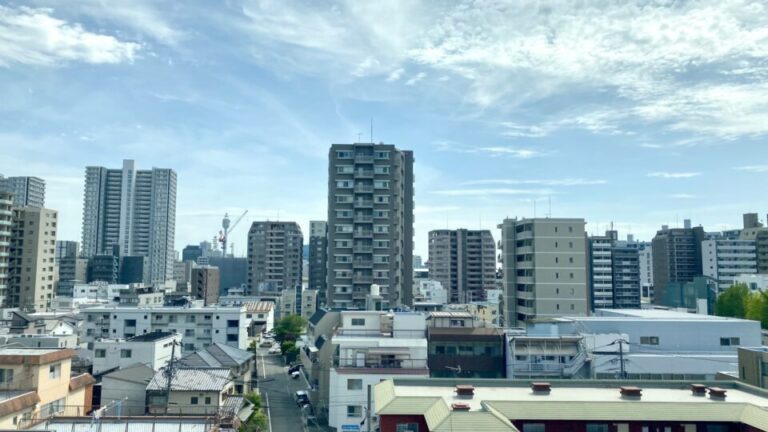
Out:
{"x": 226, "y": 228}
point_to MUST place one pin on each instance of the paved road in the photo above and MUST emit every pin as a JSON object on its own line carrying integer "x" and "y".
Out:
{"x": 277, "y": 393}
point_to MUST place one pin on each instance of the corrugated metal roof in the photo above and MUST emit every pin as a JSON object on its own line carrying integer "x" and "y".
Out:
{"x": 450, "y": 314}
{"x": 137, "y": 373}
{"x": 217, "y": 355}
{"x": 259, "y": 306}
{"x": 210, "y": 379}
{"x": 474, "y": 421}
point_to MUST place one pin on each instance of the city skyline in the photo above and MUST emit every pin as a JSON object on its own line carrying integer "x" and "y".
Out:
{"x": 595, "y": 110}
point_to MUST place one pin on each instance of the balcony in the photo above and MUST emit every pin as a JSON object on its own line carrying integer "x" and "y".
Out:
{"x": 362, "y": 249}
{"x": 386, "y": 358}
{"x": 363, "y": 234}
{"x": 362, "y": 264}
{"x": 363, "y": 203}
{"x": 363, "y": 158}
{"x": 362, "y": 279}
{"x": 550, "y": 368}
{"x": 364, "y": 173}
{"x": 363, "y": 219}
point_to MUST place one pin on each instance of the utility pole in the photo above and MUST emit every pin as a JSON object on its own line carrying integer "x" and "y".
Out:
{"x": 621, "y": 358}
{"x": 169, "y": 377}
{"x": 368, "y": 411}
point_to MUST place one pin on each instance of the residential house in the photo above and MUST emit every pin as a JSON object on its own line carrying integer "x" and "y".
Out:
{"x": 127, "y": 385}
{"x": 192, "y": 391}
{"x": 218, "y": 355}
{"x": 152, "y": 349}
{"x": 460, "y": 348}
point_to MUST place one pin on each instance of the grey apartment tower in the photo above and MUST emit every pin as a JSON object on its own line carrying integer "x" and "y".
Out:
{"x": 134, "y": 209}
{"x": 318, "y": 255}
{"x": 275, "y": 256}
{"x": 676, "y": 258}
{"x": 26, "y": 191}
{"x": 464, "y": 262}
{"x": 370, "y": 224}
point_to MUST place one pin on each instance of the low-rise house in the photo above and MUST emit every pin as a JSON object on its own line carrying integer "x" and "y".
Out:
{"x": 40, "y": 341}
{"x": 459, "y": 348}
{"x": 192, "y": 391}
{"x": 317, "y": 357}
{"x": 17, "y": 408}
{"x": 439, "y": 405}
{"x": 261, "y": 315}
{"x": 43, "y": 323}
{"x": 239, "y": 362}
{"x": 127, "y": 386}
{"x": 46, "y": 372}
{"x": 371, "y": 346}
{"x": 153, "y": 349}
{"x": 545, "y": 356}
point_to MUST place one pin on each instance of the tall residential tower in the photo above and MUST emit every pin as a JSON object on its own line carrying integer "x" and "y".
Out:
{"x": 318, "y": 255}
{"x": 134, "y": 209}
{"x": 370, "y": 224}
{"x": 26, "y": 191}
{"x": 275, "y": 251}
{"x": 464, "y": 262}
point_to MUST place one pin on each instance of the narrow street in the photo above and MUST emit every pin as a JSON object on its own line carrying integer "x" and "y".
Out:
{"x": 277, "y": 391}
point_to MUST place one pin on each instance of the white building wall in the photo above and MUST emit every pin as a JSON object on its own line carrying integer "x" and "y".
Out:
{"x": 725, "y": 259}
{"x": 133, "y": 395}
{"x": 755, "y": 282}
{"x": 155, "y": 354}
{"x": 646, "y": 271}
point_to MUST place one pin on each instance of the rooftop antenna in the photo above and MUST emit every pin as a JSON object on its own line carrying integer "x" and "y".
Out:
{"x": 359, "y": 136}
{"x": 549, "y": 203}
{"x": 371, "y": 130}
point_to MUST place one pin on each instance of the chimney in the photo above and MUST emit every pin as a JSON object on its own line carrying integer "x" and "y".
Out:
{"x": 698, "y": 389}
{"x": 687, "y": 223}
{"x": 460, "y": 406}
{"x": 541, "y": 388}
{"x": 631, "y": 392}
{"x": 716, "y": 393}
{"x": 465, "y": 391}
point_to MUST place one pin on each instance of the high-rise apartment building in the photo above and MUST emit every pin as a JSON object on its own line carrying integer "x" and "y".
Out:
{"x": 27, "y": 191}
{"x": 754, "y": 230}
{"x": 32, "y": 267}
{"x": 6, "y": 222}
{"x": 544, "y": 269}
{"x": 614, "y": 272}
{"x": 191, "y": 253}
{"x": 724, "y": 259}
{"x": 676, "y": 257}
{"x": 67, "y": 249}
{"x": 135, "y": 209}
{"x": 205, "y": 284}
{"x": 464, "y": 262}
{"x": 72, "y": 271}
{"x": 318, "y": 255}
{"x": 370, "y": 224}
{"x": 275, "y": 251}
{"x": 645, "y": 256}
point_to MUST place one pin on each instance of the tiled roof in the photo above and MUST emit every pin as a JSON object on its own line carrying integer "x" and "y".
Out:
{"x": 80, "y": 381}
{"x": 260, "y": 306}
{"x": 217, "y": 355}
{"x": 210, "y": 379}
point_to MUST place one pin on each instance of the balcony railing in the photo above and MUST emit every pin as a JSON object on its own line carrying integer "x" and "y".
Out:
{"x": 364, "y": 173}
{"x": 362, "y": 249}
{"x": 363, "y": 188}
{"x": 362, "y": 279}
{"x": 379, "y": 362}
{"x": 364, "y": 158}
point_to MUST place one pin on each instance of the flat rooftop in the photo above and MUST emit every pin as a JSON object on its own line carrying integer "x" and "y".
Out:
{"x": 27, "y": 351}
{"x": 648, "y": 314}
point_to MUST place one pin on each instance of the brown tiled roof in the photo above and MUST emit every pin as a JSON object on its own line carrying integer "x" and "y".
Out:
{"x": 18, "y": 403}
{"x": 81, "y": 381}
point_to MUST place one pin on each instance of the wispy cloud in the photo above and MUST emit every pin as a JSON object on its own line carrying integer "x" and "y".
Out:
{"x": 494, "y": 151}
{"x": 395, "y": 75}
{"x": 674, "y": 175}
{"x": 544, "y": 182}
{"x": 682, "y": 196}
{"x": 35, "y": 36}
{"x": 753, "y": 168}
{"x": 416, "y": 78}
{"x": 494, "y": 191}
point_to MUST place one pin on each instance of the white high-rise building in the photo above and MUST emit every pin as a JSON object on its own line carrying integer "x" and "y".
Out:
{"x": 724, "y": 259}
{"x": 135, "y": 209}
{"x": 646, "y": 270}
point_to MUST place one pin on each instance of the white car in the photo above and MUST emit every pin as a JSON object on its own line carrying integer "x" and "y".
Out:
{"x": 274, "y": 350}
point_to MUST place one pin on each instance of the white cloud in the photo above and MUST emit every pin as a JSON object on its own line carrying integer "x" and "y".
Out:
{"x": 674, "y": 175}
{"x": 34, "y": 36}
{"x": 493, "y": 191}
{"x": 753, "y": 168}
{"x": 395, "y": 75}
{"x": 515, "y": 152}
{"x": 416, "y": 78}
{"x": 545, "y": 182}
{"x": 682, "y": 196}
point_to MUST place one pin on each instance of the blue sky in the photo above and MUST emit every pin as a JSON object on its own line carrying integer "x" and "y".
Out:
{"x": 641, "y": 113}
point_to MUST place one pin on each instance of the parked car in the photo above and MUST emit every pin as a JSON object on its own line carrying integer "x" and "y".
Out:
{"x": 294, "y": 368}
{"x": 266, "y": 343}
{"x": 275, "y": 350}
{"x": 301, "y": 397}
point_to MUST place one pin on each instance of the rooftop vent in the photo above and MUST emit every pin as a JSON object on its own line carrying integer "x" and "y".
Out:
{"x": 716, "y": 393}
{"x": 460, "y": 406}
{"x": 631, "y": 392}
{"x": 541, "y": 387}
{"x": 465, "y": 391}
{"x": 698, "y": 389}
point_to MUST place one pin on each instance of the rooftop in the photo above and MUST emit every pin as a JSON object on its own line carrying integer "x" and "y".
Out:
{"x": 137, "y": 373}
{"x": 260, "y": 306}
{"x": 217, "y": 355}
{"x": 450, "y": 314}
{"x": 202, "y": 379}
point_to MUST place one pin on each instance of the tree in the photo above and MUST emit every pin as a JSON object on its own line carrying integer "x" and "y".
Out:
{"x": 253, "y": 347}
{"x": 289, "y": 328}
{"x": 733, "y": 301}
{"x": 258, "y": 420}
{"x": 757, "y": 308}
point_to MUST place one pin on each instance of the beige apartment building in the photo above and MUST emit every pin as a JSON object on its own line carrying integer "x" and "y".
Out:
{"x": 205, "y": 284}
{"x": 6, "y": 221}
{"x": 32, "y": 270}
{"x": 37, "y": 385}
{"x": 545, "y": 269}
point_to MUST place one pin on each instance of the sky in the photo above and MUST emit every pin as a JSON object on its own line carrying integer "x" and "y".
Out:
{"x": 639, "y": 113}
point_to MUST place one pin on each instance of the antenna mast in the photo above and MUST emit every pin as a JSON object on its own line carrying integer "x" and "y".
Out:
{"x": 371, "y": 130}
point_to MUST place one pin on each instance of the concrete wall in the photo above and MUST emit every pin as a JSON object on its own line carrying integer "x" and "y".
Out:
{"x": 113, "y": 390}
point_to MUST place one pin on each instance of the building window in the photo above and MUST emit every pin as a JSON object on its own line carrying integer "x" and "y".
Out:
{"x": 354, "y": 384}
{"x": 649, "y": 340}
{"x": 54, "y": 371}
{"x": 232, "y": 338}
{"x": 207, "y": 400}
{"x": 126, "y": 353}
{"x": 534, "y": 427}
{"x": 597, "y": 427}
{"x": 730, "y": 341}
{"x": 354, "y": 410}
{"x": 457, "y": 323}
{"x": 358, "y": 321}
{"x": 233, "y": 323}
{"x": 189, "y": 347}
{"x": 6, "y": 376}
{"x": 100, "y": 353}
{"x": 407, "y": 427}
{"x": 190, "y": 318}
{"x": 193, "y": 400}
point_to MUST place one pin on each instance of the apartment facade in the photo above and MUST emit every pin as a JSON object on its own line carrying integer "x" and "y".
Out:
{"x": 676, "y": 257}
{"x": 32, "y": 269}
{"x": 275, "y": 251}
{"x": 135, "y": 209}
{"x": 645, "y": 257}
{"x": 72, "y": 271}
{"x": 601, "y": 270}
{"x": 725, "y": 259}
{"x": 318, "y": 255}
{"x": 6, "y": 224}
{"x": 26, "y": 191}
{"x": 67, "y": 249}
{"x": 199, "y": 326}
{"x": 754, "y": 230}
{"x": 370, "y": 224}
{"x": 464, "y": 262}
{"x": 627, "y": 291}
{"x": 205, "y": 284}
{"x": 152, "y": 349}
{"x": 544, "y": 269}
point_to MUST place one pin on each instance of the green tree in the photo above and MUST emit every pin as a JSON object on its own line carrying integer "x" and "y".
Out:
{"x": 253, "y": 347}
{"x": 258, "y": 420}
{"x": 289, "y": 328}
{"x": 757, "y": 308}
{"x": 733, "y": 301}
